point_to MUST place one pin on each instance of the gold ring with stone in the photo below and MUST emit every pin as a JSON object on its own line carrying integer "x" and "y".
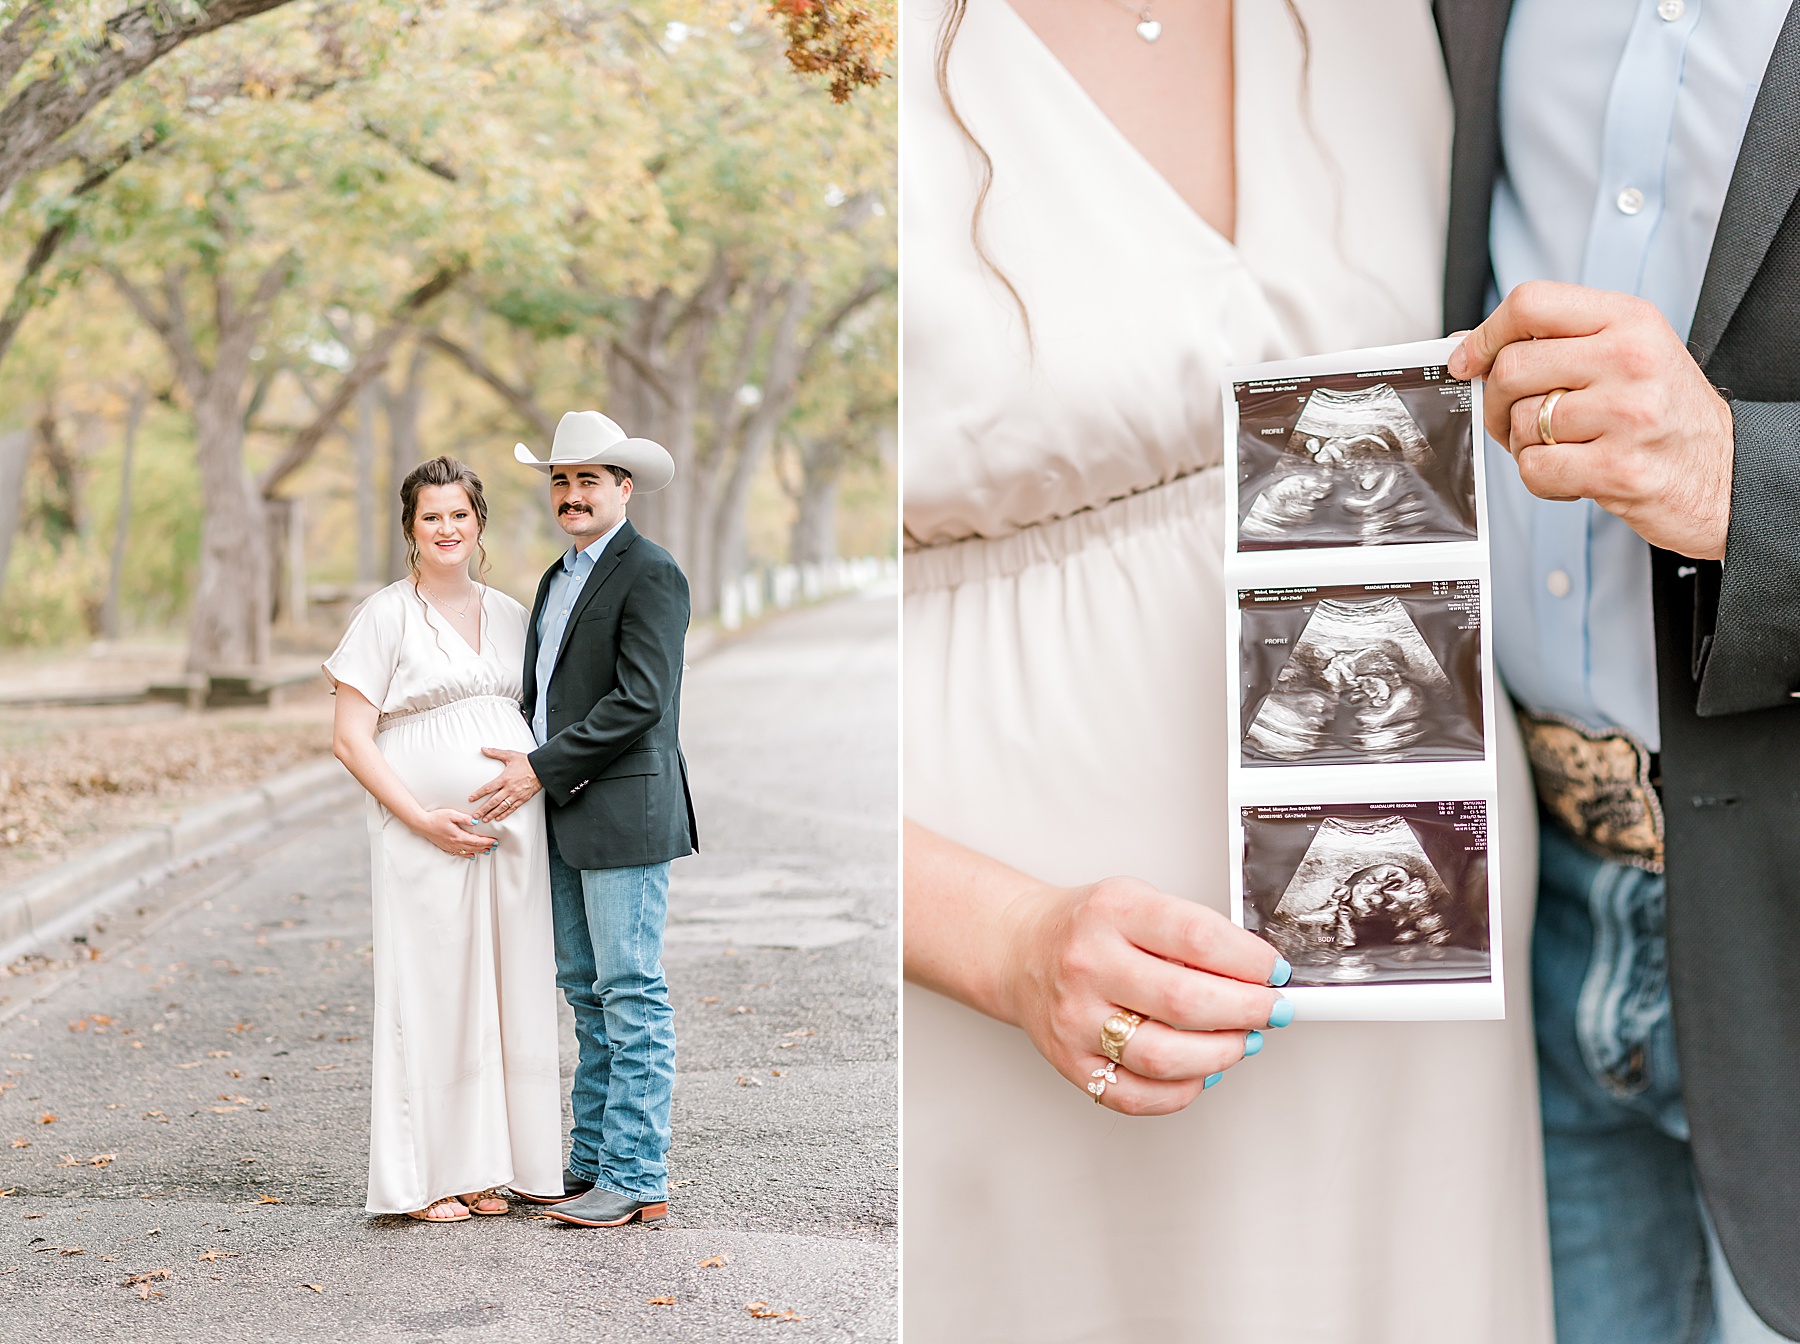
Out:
{"x": 1546, "y": 411}
{"x": 1117, "y": 1030}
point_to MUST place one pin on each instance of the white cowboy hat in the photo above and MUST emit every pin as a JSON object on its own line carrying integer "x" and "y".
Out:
{"x": 587, "y": 438}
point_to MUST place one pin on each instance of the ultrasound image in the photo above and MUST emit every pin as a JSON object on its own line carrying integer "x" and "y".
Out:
{"x": 1371, "y": 893}
{"x": 1355, "y": 460}
{"x": 1361, "y": 674}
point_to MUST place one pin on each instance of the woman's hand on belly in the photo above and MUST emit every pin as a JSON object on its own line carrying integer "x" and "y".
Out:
{"x": 448, "y": 829}
{"x": 1058, "y": 962}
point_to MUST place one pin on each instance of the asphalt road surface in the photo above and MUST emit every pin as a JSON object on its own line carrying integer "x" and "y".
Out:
{"x": 184, "y": 1120}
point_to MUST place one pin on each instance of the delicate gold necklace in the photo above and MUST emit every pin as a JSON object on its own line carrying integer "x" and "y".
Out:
{"x": 445, "y": 606}
{"x": 1147, "y": 28}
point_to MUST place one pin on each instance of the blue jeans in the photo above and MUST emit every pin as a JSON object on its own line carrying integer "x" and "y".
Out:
{"x": 1633, "y": 1256}
{"x": 609, "y": 936}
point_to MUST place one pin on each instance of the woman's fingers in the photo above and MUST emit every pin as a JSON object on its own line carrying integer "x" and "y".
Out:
{"x": 1132, "y": 1094}
{"x": 1163, "y": 1053}
{"x": 1191, "y": 934}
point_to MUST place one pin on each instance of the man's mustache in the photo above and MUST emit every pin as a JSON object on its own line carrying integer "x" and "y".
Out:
{"x": 573, "y": 508}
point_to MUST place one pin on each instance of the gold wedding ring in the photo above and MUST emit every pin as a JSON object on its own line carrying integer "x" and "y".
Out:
{"x": 1117, "y": 1030}
{"x": 1546, "y": 411}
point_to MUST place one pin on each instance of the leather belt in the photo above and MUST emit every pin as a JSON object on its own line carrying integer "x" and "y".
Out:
{"x": 1600, "y": 787}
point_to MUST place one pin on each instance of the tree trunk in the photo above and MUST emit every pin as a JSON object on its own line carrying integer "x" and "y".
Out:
{"x": 731, "y": 516}
{"x": 229, "y": 625}
{"x": 134, "y": 415}
{"x": 362, "y": 439}
{"x": 15, "y": 451}
{"x": 813, "y": 540}
{"x": 404, "y": 453}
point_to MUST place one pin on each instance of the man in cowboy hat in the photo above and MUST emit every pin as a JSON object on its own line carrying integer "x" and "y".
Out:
{"x": 603, "y": 694}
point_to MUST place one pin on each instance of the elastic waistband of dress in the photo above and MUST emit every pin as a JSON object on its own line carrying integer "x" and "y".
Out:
{"x": 955, "y": 563}
{"x": 387, "y": 721}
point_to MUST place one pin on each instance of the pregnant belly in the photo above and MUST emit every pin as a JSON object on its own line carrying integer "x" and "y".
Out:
{"x": 438, "y": 755}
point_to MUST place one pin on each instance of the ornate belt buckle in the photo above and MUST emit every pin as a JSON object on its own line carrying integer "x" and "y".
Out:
{"x": 1597, "y": 784}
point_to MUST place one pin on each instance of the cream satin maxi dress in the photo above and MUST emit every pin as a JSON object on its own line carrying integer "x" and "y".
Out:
{"x": 466, "y": 1093}
{"x": 1356, "y": 1183}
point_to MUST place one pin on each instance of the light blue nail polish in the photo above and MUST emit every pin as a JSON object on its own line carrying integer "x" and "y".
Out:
{"x": 1252, "y": 1043}
{"x": 1280, "y": 975}
{"x": 1211, "y": 1078}
{"x": 1282, "y": 1013}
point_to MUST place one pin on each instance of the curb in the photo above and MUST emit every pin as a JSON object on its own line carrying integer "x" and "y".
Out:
{"x": 58, "y": 900}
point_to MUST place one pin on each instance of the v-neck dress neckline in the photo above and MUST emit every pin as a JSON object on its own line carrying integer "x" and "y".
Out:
{"x": 1028, "y": 38}
{"x": 443, "y": 621}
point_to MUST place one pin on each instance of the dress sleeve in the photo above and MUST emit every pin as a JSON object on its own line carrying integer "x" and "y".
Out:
{"x": 369, "y": 653}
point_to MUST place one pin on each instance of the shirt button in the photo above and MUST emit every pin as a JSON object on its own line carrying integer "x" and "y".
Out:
{"x": 1670, "y": 10}
{"x": 1631, "y": 200}
{"x": 1557, "y": 582}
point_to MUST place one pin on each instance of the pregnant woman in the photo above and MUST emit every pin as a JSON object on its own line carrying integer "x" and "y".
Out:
{"x": 466, "y": 1094}
{"x": 1105, "y": 204}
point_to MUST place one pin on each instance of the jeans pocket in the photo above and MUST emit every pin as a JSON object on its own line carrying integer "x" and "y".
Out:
{"x": 1625, "y": 995}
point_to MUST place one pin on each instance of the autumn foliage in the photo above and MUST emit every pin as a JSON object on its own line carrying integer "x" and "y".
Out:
{"x": 847, "y": 41}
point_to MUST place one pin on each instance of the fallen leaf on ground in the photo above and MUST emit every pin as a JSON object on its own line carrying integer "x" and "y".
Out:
{"x": 804, "y": 1031}
{"x": 30, "y": 1216}
{"x": 265, "y": 970}
{"x": 715, "y": 1262}
{"x": 323, "y": 1068}
{"x": 269, "y": 1199}
{"x": 659, "y": 1301}
{"x": 241, "y": 1028}
{"x": 345, "y": 1040}
{"x": 214, "y": 1253}
{"x": 218, "y": 1054}
{"x": 145, "y": 1292}
{"x": 196, "y": 1064}
{"x": 764, "y": 1312}
{"x": 157, "y": 1116}
{"x": 221, "y": 1110}
{"x": 741, "y": 1009}
{"x": 774, "y": 1073}
{"x": 710, "y": 998}
{"x": 315, "y": 1287}
{"x": 744, "y": 1080}
{"x": 5, "y": 1193}
{"x": 148, "y": 1276}
{"x": 21, "y": 1143}
{"x": 47, "y": 1118}
{"x": 242, "y": 1101}
{"x": 102, "y": 1159}
{"x": 68, "y": 1160}
{"x": 66, "y": 1250}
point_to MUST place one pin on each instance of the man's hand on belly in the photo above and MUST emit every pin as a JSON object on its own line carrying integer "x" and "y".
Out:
{"x": 1638, "y": 430}
{"x": 509, "y": 790}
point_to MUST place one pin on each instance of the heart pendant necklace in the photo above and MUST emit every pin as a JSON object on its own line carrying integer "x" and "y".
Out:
{"x": 1147, "y": 28}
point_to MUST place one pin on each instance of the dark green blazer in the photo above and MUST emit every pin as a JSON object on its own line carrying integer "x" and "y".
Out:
{"x": 612, "y": 769}
{"x": 1728, "y": 667}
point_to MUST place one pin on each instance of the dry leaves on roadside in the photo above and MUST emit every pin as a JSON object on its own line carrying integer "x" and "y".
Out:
{"x": 21, "y": 1143}
{"x": 47, "y": 1118}
{"x": 715, "y": 1262}
{"x": 214, "y": 1253}
{"x": 66, "y": 1250}
{"x": 764, "y": 1312}
{"x": 148, "y": 1276}
{"x": 659, "y": 1301}
{"x": 317, "y": 1288}
{"x": 269, "y": 1199}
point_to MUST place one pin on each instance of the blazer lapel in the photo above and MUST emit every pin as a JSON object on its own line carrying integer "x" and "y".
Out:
{"x": 1763, "y": 186}
{"x": 531, "y": 637}
{"x": 596, "y": 579}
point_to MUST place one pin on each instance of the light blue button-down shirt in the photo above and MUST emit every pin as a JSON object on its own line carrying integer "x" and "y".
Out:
{"x": 553, "y": 622}
{"x": 1616, "y": 183}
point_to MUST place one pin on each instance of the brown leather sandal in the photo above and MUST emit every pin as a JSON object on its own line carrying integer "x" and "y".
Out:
{"x": 474, "y": 1202}
{"x": 425, "y": 1215}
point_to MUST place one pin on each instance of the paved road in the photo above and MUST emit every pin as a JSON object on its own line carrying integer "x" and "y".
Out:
{"x": 208, "y": 1073}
